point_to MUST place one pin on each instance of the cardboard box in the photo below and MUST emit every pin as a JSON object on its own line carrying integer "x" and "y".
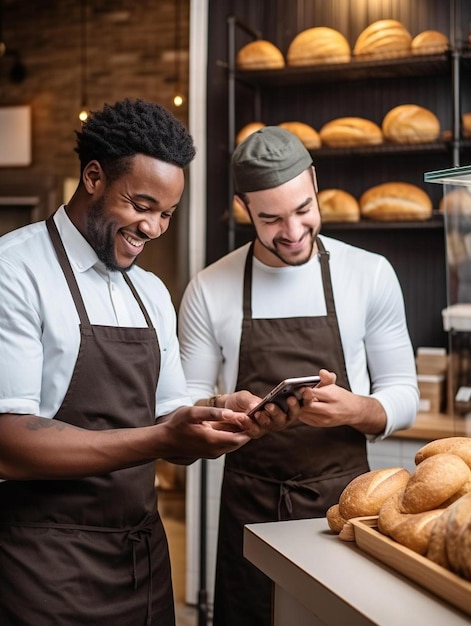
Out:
{"x": 432, "y": 392}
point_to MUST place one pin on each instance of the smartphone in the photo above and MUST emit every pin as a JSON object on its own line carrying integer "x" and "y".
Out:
{"x": 287, "y": 387}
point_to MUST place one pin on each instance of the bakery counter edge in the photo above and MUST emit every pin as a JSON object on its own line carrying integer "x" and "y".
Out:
{"x": 430, "y": 426}
{"x": 320, "y": 580}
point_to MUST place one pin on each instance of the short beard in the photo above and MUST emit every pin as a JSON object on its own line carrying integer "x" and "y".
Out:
{"x": 101, "y": 236}
{"x": 295, "y": 263}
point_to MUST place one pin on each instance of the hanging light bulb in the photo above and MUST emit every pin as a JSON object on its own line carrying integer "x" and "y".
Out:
{"x": 178, "y": 98}
{"x": 83, "y": 114}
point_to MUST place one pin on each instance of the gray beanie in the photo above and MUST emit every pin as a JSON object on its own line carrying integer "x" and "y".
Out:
{"x": 268, "y": 158}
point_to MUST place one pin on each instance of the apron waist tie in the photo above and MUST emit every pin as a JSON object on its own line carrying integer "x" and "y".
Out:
{"x": 286, "y": 487}
{"x": 143, "y": 531}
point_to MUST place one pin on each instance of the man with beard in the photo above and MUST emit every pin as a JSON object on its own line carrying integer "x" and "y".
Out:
{"x": 92, "y": 389}
{"x": 293, "y": 303}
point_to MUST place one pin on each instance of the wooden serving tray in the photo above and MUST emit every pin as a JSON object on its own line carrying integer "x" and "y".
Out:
{"x": 421, "y": 570}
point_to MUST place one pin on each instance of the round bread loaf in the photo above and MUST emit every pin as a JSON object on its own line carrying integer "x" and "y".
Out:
{"x": 395, "y": 201}
{"x": 318, "y": 45}
{"x": 435, "y": 483}
{"x": 410, "y": 123}
{"x": 259, "y": 55}
{"x": 343, "y": 132}
{"x": 305, "y": 133}
{"x": 247, "y": 130}
{"x": 336, "y": 205}
{"x": 429, "y": 42}
{"x": 383, "y": 38}
{"x": 365, "y": 494}
{"x": 460, "y": 446}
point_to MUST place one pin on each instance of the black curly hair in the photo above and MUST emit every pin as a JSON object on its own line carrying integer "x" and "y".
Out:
{"x": 115, "y": 134}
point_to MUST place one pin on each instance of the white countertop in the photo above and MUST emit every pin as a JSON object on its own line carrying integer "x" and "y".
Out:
{"x": 338, "y": 583}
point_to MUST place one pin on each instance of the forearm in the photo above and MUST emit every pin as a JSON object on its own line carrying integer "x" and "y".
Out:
{"x": 33, "y": 447}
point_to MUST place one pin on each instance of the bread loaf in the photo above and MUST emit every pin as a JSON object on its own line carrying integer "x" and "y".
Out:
{"x": 350, "y": 131}
{"x": 336, "y": 205}
{"x": 415, "y": 531}
{"x": 460, "y": 446}
{"x": 383, "y": 38}
{"x": 410, "y": 123}
{"x": 365, "y": 494}
{"x": 436, "y": 482}
{"x": 247, "y": 130}
{"x": 436, "y": 550}
{"x": 318, "y": 45}
{"x": 334, "y": 519}
{"x": 429, "y": 42}
{"x": 259, "y": 55}
{"x": 305, "y": 133}
{"x": 395, "y": 201}
{"x": 459, "y": 515}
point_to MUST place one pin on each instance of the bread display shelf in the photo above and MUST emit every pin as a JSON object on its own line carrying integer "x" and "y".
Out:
{"x": 435, "y": 222}
{"x": 383, "y": 148}
{"x": 426, "y": 65}
{"x": 433, "y": 577}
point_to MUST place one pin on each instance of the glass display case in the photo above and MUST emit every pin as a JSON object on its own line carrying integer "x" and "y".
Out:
{"x": 456, "y": 208}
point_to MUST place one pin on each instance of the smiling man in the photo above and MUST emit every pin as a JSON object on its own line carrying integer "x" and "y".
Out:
{"x": 92, "y": 389}
{"x": 293, "y": 303}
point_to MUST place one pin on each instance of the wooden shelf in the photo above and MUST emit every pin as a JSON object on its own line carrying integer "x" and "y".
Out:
{"x": 426, "y": 65}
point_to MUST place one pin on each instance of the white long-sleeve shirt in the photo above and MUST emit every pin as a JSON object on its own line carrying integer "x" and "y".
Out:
{"x": 39, "y": 325}
{"x": 370, "y": 310}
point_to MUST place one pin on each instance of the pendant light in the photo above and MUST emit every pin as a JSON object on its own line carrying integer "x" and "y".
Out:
{"x": 83, "y": 114}
{"x": 178, "y": 98}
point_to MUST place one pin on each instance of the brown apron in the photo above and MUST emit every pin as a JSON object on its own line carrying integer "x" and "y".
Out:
{"x": 292, "y": 474}
{"x": 93, "y": 550}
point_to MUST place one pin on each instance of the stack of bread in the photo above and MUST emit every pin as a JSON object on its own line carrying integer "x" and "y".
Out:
{"x": 395, "y": 201}
{"x": 428, "y": 511}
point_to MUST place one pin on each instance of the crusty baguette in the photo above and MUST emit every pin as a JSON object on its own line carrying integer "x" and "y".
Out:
{"x": 365, "y": 494}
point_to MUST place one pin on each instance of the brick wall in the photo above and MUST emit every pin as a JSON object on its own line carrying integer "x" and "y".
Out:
{"x": 130, "y": 52}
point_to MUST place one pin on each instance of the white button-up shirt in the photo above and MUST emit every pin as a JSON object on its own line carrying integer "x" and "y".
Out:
{"x": 39, "y": 325}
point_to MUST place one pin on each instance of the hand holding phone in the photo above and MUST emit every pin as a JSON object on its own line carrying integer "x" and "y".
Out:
{"x": 288, "y": 387}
